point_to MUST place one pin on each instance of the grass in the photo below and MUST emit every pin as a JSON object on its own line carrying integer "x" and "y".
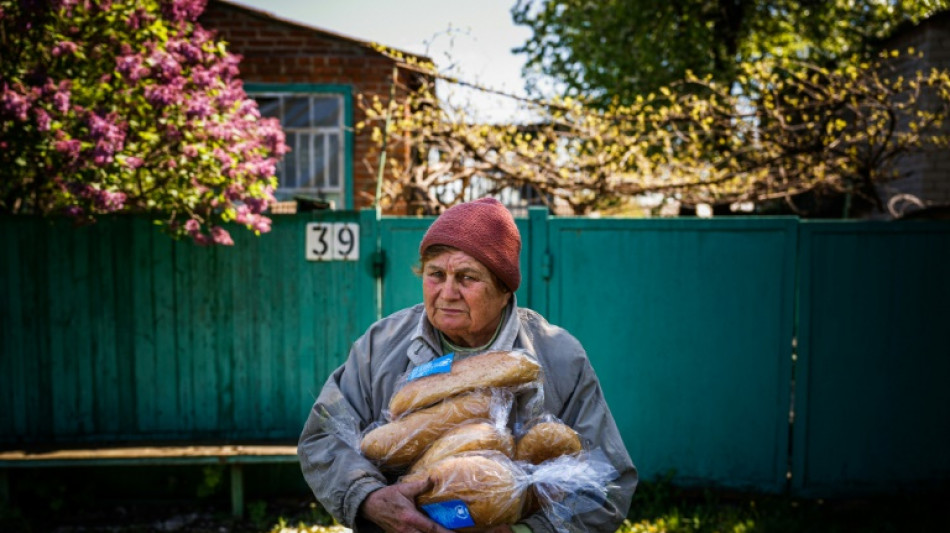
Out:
{"x": 662, "y": 507}
{"x": 658, "y": 507}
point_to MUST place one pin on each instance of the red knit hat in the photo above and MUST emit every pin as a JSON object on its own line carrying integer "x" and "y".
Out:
{"x": 485, "y": 230}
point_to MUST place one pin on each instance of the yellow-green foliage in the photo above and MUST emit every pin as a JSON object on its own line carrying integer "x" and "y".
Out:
{"x": 783, "y": 128}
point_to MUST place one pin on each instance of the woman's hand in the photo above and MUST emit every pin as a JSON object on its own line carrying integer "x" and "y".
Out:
{"x": 393, "y": 508}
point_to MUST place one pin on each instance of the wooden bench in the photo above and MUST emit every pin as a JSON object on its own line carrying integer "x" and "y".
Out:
{"x": 234, "y": 455}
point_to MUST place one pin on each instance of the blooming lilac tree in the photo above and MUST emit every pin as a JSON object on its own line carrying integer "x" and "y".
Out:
{"x": 130, "y": 106}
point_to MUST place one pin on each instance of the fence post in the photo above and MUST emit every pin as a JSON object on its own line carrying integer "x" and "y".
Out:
{"x": 539, "y": 265}
{"x": 372, "y": 270}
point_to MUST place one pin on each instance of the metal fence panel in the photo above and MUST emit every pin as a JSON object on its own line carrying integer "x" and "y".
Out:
{"x": 872, "y": 403}
{"x": 688, "y": 325}
{"x": 114, "y": 331}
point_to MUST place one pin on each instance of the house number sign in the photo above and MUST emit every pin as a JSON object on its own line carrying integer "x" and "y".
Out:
{"x": 338, "y": 241}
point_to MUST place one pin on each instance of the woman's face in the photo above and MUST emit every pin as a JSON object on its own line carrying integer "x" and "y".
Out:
{"x": 461, "y": 298}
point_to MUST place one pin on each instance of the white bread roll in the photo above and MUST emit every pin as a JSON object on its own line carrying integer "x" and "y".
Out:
{"x": 491, "y": 487}
{"x": 547, "y": 440}
{"x": 399, "y": 443}
{"x": 467, "y": 437}
{"x": 491, "y": 369}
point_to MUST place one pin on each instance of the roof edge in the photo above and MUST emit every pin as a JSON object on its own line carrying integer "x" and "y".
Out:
{"x": 327, "y": 33}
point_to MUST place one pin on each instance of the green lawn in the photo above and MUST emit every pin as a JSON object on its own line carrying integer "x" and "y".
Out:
{"x": 657, "y": 507}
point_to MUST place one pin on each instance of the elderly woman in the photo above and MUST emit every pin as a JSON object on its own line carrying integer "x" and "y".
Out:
{"x": 469, "y": 269}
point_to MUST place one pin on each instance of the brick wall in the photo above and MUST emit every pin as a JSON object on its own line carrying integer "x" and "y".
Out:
{"x": 926, "y": 175}
{"x": 278, "y": 51}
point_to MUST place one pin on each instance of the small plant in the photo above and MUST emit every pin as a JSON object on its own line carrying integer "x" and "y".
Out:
{"x": 257, "y": 513}
{"x": 210, "y": 481}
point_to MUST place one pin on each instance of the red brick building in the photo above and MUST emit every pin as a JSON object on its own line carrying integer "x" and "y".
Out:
{"x": 925, "y": 181}
{"x": 309, "y": 78}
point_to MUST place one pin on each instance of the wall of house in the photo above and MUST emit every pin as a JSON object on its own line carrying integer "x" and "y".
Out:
{"x": 274, "y": 51}
{"x": 927, "y": 174}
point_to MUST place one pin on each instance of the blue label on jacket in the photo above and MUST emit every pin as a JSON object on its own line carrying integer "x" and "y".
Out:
{"x": 452, "y": 514}
{"x": 441, "y": 365}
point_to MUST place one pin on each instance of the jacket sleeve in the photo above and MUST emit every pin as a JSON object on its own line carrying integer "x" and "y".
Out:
{"x": 328, "y": 449}
{"x": 580, "y": 403}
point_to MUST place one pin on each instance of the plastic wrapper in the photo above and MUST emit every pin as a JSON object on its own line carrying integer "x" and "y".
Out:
{"x": 473, "y": 491}
{"x": 398, "y": 444}
{"x": 571, "y": 485}
{"x": 477, "y": 490}
{"x": 473, "y": 435}
{"x": 445, "y": 377}
{"x": 546, "y": 438}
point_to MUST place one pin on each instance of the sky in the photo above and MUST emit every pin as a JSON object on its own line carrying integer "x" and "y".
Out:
{"x": 471, "y": 40}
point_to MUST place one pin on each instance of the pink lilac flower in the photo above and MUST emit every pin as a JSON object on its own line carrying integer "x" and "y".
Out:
{"x": 223, "y": 157}
{"x": 234, "y": 192}
{"x": 203, "y": 77}
{"x": 139, "y": 18}
{"x": 182, "y": 10}
{"x": 249, "y": 108}
{"x": 274, "y": 139}
{"x": 167, "y": 68}
{"x": 199, "y": 107}
{"x": 221, "y": 236}
{"x": 42, "y": 119}
{"x": 192, "y": 226}
{"x": 159, "y": 95}
{"x": 61, "y": 97}
{"x": 105, "y": 128}
{"x": 64, "y": 48}
{"x": 134, "y": 162}
{"x": 186, "y": 50}
{"x": 102, "y": 153}
{"x": 262, "y": 224}
{"x": 69, "y": 148}
{"x": 131, "y": 67}
{"x": 15, "y": 104}
{"x": 109, "y": 201}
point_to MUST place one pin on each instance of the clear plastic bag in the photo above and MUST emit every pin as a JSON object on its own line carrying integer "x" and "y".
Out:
{"x": 473, "y": 490}
{"x": 398, "y": 444}
{"x": 477, "y": 490}
{"x": 571, "y": 485}
{"x": 474, "y": 435}
{"x": 546, "y": 438}
{"x": 446, "y": 376}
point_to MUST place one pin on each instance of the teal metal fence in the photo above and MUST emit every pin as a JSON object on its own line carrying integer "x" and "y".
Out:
{"x": 115, "y": 332}
{"x": 872, "y": 401}
{"x": 689, "y": 326}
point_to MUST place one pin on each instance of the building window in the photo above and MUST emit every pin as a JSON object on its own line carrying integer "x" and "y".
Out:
{"x": 315, "y": 123}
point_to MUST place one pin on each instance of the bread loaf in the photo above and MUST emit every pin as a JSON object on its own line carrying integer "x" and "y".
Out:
{"x": 547, "y": 440}
{"x": 399, "y": 443}
{"x": 468, "y": 437}
{"x": 491, "y": 369}
{"x": 492, "y": 489}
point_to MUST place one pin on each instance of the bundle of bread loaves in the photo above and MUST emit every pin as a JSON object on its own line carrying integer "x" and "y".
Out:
{"x": 448, "y": 423}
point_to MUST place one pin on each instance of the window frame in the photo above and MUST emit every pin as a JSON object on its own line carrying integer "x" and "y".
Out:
{"x": 253, "y": 89}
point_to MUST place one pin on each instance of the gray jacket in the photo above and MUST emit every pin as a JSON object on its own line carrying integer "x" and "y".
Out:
{"x": 357, "y": 394}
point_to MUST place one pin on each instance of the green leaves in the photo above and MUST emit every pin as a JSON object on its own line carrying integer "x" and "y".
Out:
{"x": 615, "y": 51}
{"x": 789, "y": 127}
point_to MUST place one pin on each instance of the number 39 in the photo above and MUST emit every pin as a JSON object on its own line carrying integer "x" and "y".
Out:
{"x": 329, "y": 242}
